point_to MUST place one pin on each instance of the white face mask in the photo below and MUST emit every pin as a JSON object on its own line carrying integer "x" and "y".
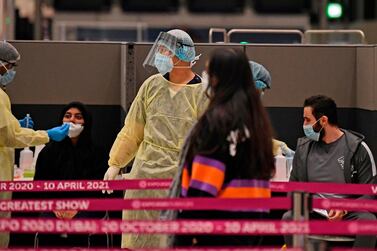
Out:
{"x": 74, "y": 129}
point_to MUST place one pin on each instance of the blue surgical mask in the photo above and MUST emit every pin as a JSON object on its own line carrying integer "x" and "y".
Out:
{"x": 310, "y": 133}
{"x": 7, "y": 77}
{"x": 260, "y": 85}
{"x": 163, "y": 63}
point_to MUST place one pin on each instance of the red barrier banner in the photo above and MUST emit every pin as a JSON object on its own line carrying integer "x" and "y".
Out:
{"x": 82, "y": 185}
{"x": 223, "y": 227}
{"x": 353, "y": 249}
{"x": 346, "y": 204}
{"x": 144, "y": 204}
{"x": 159, "y": 249}
{"x": 175, "y": 204}
{"x": 97, "y": 185}
{"x": 319, "y": 187}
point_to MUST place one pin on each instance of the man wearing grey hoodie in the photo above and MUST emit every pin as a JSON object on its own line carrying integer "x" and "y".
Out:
{"x": 328, "y": 153}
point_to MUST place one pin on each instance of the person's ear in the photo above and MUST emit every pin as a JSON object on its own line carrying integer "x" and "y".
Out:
{"x": 175, "y": 60}
{"x": 324, "y": 120}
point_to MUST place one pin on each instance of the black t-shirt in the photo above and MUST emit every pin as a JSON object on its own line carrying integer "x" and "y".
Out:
{"x": 196, "y": 79}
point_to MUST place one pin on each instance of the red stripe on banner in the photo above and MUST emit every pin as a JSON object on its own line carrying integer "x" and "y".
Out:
{"x": 353, "y": 249}
{"x": 346, "y": 204}
{"x": 317, "y": 187}
{"x": 158, "y": 249}
{"x": 182, "y": 203}
{"x": 97, "y": 185}
{"x": 223, "y": 227}
{"x": 82, "y": 185}
{"x": 145, "y": 204}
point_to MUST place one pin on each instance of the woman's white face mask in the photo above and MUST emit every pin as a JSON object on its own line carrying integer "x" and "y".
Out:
{"x": 74, "y": 129}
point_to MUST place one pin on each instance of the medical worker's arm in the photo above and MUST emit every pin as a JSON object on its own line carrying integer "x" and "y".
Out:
{"x": 280, "y": 147}
{"x": 129, "y": 138}
{"x": 13, "y": 135}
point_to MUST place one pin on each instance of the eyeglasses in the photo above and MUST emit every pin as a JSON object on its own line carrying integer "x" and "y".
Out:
{"x": 164, "y": 51}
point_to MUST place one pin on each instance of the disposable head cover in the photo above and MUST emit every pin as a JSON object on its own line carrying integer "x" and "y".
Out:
{"x": 261, "y": 76}
{"x": 185, "y": 49}
{"x": 172, "y": 43}
{"x": 8, "y": 53}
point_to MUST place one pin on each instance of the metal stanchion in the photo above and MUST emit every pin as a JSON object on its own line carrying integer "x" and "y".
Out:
{"x": 301, "y": 205}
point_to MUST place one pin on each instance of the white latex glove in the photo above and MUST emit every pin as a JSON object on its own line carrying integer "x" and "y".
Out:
{"x": 110, "y": 174}
{"x": 287, "y": 152}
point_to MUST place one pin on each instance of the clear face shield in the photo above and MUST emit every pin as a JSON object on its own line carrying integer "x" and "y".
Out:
{"x": 161, "y": 52}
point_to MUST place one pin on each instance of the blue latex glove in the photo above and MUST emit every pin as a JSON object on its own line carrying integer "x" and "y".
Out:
{"x": 58, "y": 133}
{"x": 25, "y": 123}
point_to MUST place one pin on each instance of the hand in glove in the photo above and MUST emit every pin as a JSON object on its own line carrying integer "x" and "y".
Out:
{"x": 26, "y": 122}
{"x": 287, "y": 152}
{"x": 110, "y": 174}
{"x": 58, "y": 133}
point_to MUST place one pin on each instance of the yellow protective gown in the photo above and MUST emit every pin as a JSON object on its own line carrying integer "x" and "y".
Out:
{"x": 155, "y": 128}
{"x": 12, "y": 136}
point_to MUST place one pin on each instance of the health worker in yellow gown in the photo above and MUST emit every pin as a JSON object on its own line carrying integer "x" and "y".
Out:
{"x": 16, "y": 133}
{"x": 166, "y": 107}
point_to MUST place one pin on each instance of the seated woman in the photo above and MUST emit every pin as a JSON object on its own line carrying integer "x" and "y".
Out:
{"x": 229, "y": 151}
{"x": 74, "y": 158}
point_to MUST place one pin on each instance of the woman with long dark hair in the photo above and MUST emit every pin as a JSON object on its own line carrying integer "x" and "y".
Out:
{"x": 74, "y": 158}
{"x": 229, "y": 151}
